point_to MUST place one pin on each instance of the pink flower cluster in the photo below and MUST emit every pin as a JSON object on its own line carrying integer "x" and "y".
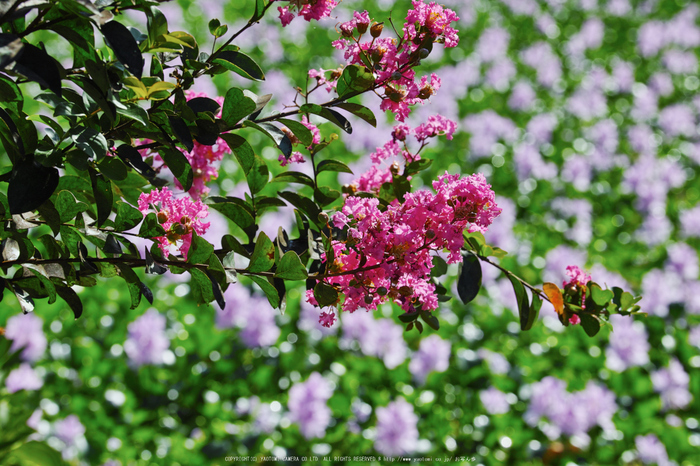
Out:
{"x": 297, "y": 157}
{"x": 179, "y": 217}
{"x": 578, "y": 280}
{"x": 307, "y": 9}
{"x": 372, "y": 180}
{"x": 202, "y": 157}
{"x": 391, "y": 249}
{"x": 393, "y": 60}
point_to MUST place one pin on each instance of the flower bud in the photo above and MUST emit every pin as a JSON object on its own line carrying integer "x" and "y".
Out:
{"x": 395, "y": 169}
{"x": 382, "y": 291}
{"x": 396, "y": 75}
{"x": 430, "y": 234}
{"x": 377, "y": 55}
{"x": 337, "y": 73}
{"x": 368, "y": 299}
{"x": 376, "y": 29}
{"x": 349, "y": 189}
{"x": 162, "y": 217}
{"x": 405, "y": 291}
{"x": 423, "y": 53}
{"x": 323, "y": 217}
{"x": 346, "y": 29}
{"x": 362, "y": 27}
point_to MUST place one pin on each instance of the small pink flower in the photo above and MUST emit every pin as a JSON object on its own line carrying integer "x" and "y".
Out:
{"x": 574, "y": 319}
{"x": 327, "y": 319}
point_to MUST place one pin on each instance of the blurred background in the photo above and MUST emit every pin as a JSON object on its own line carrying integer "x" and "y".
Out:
{"x": 583, "y": 115}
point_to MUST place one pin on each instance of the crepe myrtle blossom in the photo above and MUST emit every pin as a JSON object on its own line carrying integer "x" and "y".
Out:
{"x": 650, "y": 450}
{"x": 26, "y": 332}
{"x": 576, "y": 284}
{"x": 394, "y": 59}
{"x": 23, "y": 378}
{"x": 432, "y": 356}
{"x": 179, "y": 217}
{"x": 307, "y": 9}
{"x": 308, "y": 405}
{"x": 672, "y": 385}
{"x": 391, "y": 249}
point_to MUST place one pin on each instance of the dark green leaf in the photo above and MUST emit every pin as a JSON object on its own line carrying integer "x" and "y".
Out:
{"x": 157, "y": 24}
{"x": 134, "y": 112}
{"x": 407, "y": 317}
{"x": 263, "y": 257}
{"x": 359, "y": 111}
{"x": 439, "y": 267}
{"x": 179, "y": 165}
{"x": 39, "y": 66}
{"x": 294, "y": 177}
{"x": 354, "y": 80}
{"x": 235, "y": 212}
{"x": 204, "y": 104}
{"x": 304, "y": 204}
{"x": 127, "y": 217}
{"x": 600, "y": 297}
{"x": 300, "y": 131}
{"x": 199, "y": 251}
{"x": 258, "y": 176}
{"x": 181, "y": 131}
{"x": 325, "y": 294}
{"x": 241, "y": 64}
{"x": 590, "y": 324}
{"x": 30, "y": 185}
{"x": 133, "y": 158}
{"x": 125, "y": 48}
{"x": 102, "y": 190}
{"x": 113, "y": 168}
{"x": 469, "y": 281}
{"x": 259, "y": 10}
{"x": 68, "y": 207}
{"x": 236, "y": 106}
{"x": 278, "y": 137}
{"x": 150, "y": 227}
{"x": 325, "y": 195}
{"x": 430, "y": 319}
{"x": 522, "y": 300}
{"x": 92, "y": 142}
{"x": 333, "y": 166}
{"x": 243, "y": 151}
{"x": 269, "y": 290}
{"x": 291, "y": 268}
{"x": 72, "y": 299}
{"x": 10, "y": 93}
{"x": 534, "y": 311}
{"x": 330, "y": 115}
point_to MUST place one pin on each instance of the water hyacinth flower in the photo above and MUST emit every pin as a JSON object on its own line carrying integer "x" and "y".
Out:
{"x": 308, "y": 405}
{"x": 251, "y": 314}
{"x": 26, "y": 331}
{"x": 650, "y": 450}
{"x": 397, "y": 431}
{"x": 672, "y": 384}
{"x": 494, "y": 400}
{"x": 432, "y": 356}
{"x": 23, "y": 378}
{"x": 629, "y": 344}
{"x": 147, "y": 341}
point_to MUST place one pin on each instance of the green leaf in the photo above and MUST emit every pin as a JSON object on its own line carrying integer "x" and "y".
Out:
{"x": 469, "y": 281}
{"x": 430, "y": 319}
{"x": 534, "y": 311}
{"x": 332, "y": 166}
{"x": 599, "y": 296}
{"x": 150, "y": 228}
{"x": 325, "y": 294}
{"x": 236, "y": 106}
{"x": 233, "y": 211}
{"x": 330, "y": 115}
{"x": 102, "y": 190}
{"x": 202, "y": 290}
{"x": 258, "y": 176}
{"x": 157, "y": 24}
{"x": 522, "y": 300}
{"x": 68, "y": 207}
{"x": 294, "y": 177}
{"x": 354, "y": 80}
{"x": 259, "y": 10}
{"x": 241, "y": 64}
{"x": 92, "y": 142}
{"x": 300, "y": 131}
{"x": 243, "y": 151}
{"x": 10, "y": 93}
{"x": 359, "y": 111}
{"x": 304, "y": 204}
{"x": 269, "y": 290}
{"x": 179, "y": 165}
{"x": 325, "y": 195}
{"x": 181, "y": 131}
{"x": 590, "y": 324}
{"x": 291, "y": 268}
{"x": 216, "y": 29}
{"x": 35, "y": 453}
{"x": 127, "y": 217}
{"x": 199, "y": 251}
{"x": 30, "y": 185}
{"x": 277, "y": 135}
{"x": 263, "y": 257}
{"x": 113, "y": 168}
{"x": 125, "y": 48}
{"x": 408, "y": 317}
{"x": 72, "y": 299}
